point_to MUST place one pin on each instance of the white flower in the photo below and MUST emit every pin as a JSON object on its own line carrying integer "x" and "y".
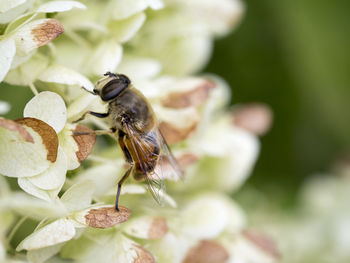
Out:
{"x": 21, "y": 40}
{"x": 157, "y": 45}
{"x": 76, "y": 213}
{"x": 181, "y": 34}
{"x": 40, "y": 162}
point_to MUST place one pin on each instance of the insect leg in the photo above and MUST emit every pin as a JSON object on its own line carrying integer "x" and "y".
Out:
{"x": 121, "y": 181}
{"x": 127, "y": 156}
{"x": 96, "y": 114}
{"x": 96, "y": 132}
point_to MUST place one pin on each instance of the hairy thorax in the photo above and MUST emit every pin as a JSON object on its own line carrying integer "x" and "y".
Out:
{"x": 132, "y": 106}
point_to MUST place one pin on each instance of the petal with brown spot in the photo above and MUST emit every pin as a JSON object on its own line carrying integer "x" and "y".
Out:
{"x": 187, "y": 159}
{"x": 195, "y": 96}
{"x": 105, "y": 217}
{"x": 207, "y": 251}
{"x": 46, "y": 132}
{"x": 36, "y": 34}
{"x": 143, "y": 256}
{"x": 47, "y": 31}
{"x": 262, "y": 241}
{"x": 85, "y": 142}
{"x": 253, "y": 117}
{"x": 173, "y": 134}
{"x": 13, "y": 126}
{"x": 158, "y": 228}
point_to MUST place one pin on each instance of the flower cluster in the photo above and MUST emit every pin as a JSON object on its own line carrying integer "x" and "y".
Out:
{"x": 159, "y": 45}
{"x": 319, "y": 229}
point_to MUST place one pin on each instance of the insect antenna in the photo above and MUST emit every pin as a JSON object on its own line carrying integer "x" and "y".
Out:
{"x": 94, "y": 92}
{"x": 109, "y": 74}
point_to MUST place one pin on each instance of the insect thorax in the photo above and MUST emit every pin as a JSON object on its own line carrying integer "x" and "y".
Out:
{"x": 132, "y": 107}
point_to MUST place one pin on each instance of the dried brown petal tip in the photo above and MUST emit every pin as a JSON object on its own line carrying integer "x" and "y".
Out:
{"x": 143, "y": 256}
{"x": 158, "y": 228}
{"x": 47, "y": 31}
{"x": 106, "y": 217}
{"x": 262, "y": 241}
{"x": 193, "y": 97}
{"x": 207, "y": 251}
{"x": 85, "y": 142}
{"x": 47, "y": 134}
{"x": 13, "y": 126}
{"x": 254, "y": 117}
{"x": 173, "y": 134}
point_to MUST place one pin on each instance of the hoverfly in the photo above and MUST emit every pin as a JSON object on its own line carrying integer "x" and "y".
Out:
{"x": 135, "y": 125}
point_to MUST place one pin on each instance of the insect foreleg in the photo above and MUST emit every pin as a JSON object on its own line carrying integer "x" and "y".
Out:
{"x": 121, "y": 181}
{"x": 96, "y": 114}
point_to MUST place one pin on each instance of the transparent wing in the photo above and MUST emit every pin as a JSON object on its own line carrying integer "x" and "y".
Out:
{"x": 170, "y": 166}
{"x": 153, "y": 177}
{"x": 156, "y": 186}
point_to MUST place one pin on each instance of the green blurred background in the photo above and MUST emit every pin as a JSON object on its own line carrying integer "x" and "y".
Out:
{"x": 294, "y": 56}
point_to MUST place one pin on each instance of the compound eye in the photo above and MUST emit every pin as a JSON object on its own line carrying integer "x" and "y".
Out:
{"x": 113, "y": 88}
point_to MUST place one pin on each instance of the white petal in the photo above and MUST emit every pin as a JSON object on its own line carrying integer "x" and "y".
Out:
{"x": 19, "y": 158}
{"x": 238, "y": 150}
{"x": 30, "y": 206}
{"x": 79, "y": 106}
{"x": 7, "y": 52}
{"x": 4, "y": 107}
{"x": 182, "y": 50}
{"x": 156, "y": 4}
{"x": 168, "y": 199}
{"x": 59, "y": 6}
{"x": 205, "y": 217}
{"x": 41, "y": 255}
{"x": 190, "y": 55}
{"x": 139, "y": 68}
{"x": 147, "y": 227}
{"x": 171, "y": 248}
{"x": 65, "y": 51}
{"x": 36, "y": 34}
{"x": 133, "y": 189}
{"x": 25, "y": 70}
{"x": 19, "y": 60}
{"x": 111, "y": 246}
{"x": 181, "y": 118}
{"x": 124, "y": 8}
{"x": 124, "y": 30}
{"x": 177, "y": 125}
{"x": 57, "y": 232}
{"x": 219, "y": 17}
{"x": 138, "y": 227}
{"x": 243, "y": 250}
{"x": 62, "y": 75}
{"x": 155, "y": 88}
{"x": 15, "y": 11}
{"x": 53, "y": 177}
{"x": 48, "y": 107}
{"x": 108, "y": 176}
{"x": 106, "y": 57}
{"x": 78, "y": 196}
{"x": 31, "y": 189}
{"x": 69, "y": 146}
{"x": 6, "y": 5}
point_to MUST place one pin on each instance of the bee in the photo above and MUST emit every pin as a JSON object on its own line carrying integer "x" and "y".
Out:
{"x": 136, "y": 128}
